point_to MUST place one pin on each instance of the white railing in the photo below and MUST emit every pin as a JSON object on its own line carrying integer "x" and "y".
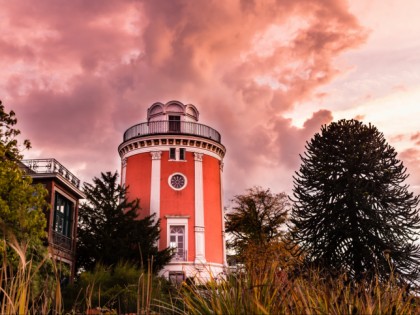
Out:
{"x": 171, "y": 127}
{"x": 51, "y": 166}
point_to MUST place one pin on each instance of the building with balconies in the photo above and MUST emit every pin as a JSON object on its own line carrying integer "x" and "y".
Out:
{"x": 64, "y": 193}
{"x": 174, "y": 165}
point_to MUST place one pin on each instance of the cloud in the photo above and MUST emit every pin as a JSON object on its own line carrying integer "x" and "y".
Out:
{"x": 411, "y": 160}
{"x": 79, "y": 73}
{"x": 416, "y": 138}
{"x": 291, "y": 141}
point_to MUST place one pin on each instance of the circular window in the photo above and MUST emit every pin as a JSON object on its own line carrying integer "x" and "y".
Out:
{"x": 177, "y": 181}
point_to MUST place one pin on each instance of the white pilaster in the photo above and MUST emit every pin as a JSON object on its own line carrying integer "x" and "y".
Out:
{"x": 223, "y": 214}
{"x": 200, "y": 256}
{"x": 123, "y": 171}
{"x": 155, "y": 184}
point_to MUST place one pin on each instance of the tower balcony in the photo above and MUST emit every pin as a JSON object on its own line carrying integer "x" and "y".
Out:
{"x": 168, "y": 127}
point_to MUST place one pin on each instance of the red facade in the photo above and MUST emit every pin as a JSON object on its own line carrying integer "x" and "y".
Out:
{"x": 174, "y": 166}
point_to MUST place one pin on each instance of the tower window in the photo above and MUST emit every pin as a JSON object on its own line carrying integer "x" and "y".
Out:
{"x": 177, "y": 181}
{"x": 182, "y": 154}
{"x": 177, "y": 154}
{"x": 176, "y": 277}
{"x": 172, "y": 153}
{"x": 174, "y": 123}
{"x": 177, "y": 242}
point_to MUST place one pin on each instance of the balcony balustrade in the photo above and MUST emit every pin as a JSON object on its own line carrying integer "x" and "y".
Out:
{"x": 172, "y": 128}
{"x": 51, "y": 166}
{"x": 62, "y": 241}
{"x": 180, "y": 255}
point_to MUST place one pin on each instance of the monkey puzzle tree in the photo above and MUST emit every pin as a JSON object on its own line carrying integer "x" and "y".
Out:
{"x": 351, "y": 209}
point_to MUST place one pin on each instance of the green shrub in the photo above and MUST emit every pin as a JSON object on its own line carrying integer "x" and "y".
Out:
{"x": 124, "y": 288}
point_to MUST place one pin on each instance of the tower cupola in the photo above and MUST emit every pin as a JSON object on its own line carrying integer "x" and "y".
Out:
{"x": 161, "y": 112}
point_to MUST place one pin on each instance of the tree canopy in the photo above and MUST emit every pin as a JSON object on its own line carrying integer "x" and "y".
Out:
{"x": 21, "y": 203}
{"x": 109, "y": 230}
{"x": 256, "y": 220}
{"x": 9, "y": 148}
{"x": 351, "y": 209}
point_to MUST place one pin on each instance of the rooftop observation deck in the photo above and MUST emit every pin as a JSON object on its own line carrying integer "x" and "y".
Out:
{"x": 51, "y": 167}
{"x": 165, "y": 127}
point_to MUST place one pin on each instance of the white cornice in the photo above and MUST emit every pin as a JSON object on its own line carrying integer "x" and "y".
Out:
{"x": 163, "y": 143}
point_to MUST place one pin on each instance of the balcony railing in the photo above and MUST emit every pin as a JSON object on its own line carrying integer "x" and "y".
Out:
{"x": 171, "y": 127}
{"x": 62, "y": 241}
{"x": 180, "y": 255}
{"x": 51, "y": 166}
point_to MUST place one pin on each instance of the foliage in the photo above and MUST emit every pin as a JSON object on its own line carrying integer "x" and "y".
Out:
{"x": 109, "y": 230}
{"x": 351, "y": 209}
{"x": 258, "y": 261}
{"x": 255, "y": 222}
{"x": 127, "y": 288}
{"x": 24, "y": 285}
{"x": 21, "y": 203}
{"x": 312, "y": 293}
{"x": 9, "y": 149}
{"x": 124, "y": 289}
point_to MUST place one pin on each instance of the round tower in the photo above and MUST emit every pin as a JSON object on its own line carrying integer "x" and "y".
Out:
{"x": 174, "y": 166}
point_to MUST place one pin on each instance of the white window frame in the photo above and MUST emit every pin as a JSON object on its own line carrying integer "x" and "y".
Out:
{"x": 178, "y": 221}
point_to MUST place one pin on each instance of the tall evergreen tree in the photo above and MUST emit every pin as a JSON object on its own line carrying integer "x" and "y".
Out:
{"x": 109, "y": 230}
{"x": 352, "y": 210}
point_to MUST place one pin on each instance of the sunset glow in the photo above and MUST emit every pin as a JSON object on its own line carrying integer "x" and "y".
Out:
{"x": 265, "y": 74}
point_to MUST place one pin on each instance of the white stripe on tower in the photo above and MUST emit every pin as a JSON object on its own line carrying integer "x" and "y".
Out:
{"x": 223, "y": 215}
{"x": 155, "y": 184}
{"x": 123, "y": 171}
{"x": 199, "y": 210}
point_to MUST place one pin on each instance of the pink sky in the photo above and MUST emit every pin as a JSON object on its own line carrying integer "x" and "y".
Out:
{"x": 266, "y": 74}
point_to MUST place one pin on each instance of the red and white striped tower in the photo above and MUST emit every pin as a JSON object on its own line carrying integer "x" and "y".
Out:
{"x": 174, "y": 165}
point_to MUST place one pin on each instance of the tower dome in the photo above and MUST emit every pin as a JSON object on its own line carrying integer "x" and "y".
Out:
{"x": 159, "y": 111}
{"x": 174, "y": 166}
